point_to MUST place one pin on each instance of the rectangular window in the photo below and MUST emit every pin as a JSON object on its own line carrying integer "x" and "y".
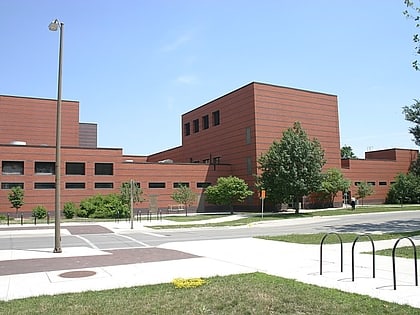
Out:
{"x": 382, "y": 183}
{"x": 157, "y": 185}
{"x": 44, "y": 168}
{"x": 104, "y": 185}
{"x": 216, "y": 118}
{"x": 249, "y": 165}
{"x": 104, "y": 169}
{"x": 11, "y": 185}
{"x": 196, "y": 125}
{"x": 44, "y": 185}
{"x": 178, "y": 185}
{"x": 75, "y": 185}
{"x": 248, "y": 135}
{"x": 356, "y": 183}
{"x": 203, "y": 185}
{"x": 205, "y": 121}
{"x": 216, "y": 160}
{"x": 187, "y": 130}
{"x": 371, "y": 183}
{"x": 12, "y": 168}
{"x": 75, "y": 168}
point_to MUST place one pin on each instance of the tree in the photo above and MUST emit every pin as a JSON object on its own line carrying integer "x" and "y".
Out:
{"x": 333, "y": 182}
{"x": 406, "y": 189}
{"x": 227, "y": 191}
{"x": 364, "y": 190}
{"x": 292, "y": 167}
{"x": 413, "y": 12}
{"x": 412, "y": 114}
{"x": 126, "y": 191}
{"x": 184, "y": 195}
{"x": 347, "y": 152}
{"x": 16, "y": 197}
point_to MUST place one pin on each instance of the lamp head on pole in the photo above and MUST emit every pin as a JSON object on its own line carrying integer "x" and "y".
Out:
{"x": 54, "y": 25}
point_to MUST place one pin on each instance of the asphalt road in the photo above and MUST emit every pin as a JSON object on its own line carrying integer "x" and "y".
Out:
{"x": 104, "y": 240}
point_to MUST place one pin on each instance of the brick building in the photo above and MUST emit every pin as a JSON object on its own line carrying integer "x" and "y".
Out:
{"x": 223, "y": 137}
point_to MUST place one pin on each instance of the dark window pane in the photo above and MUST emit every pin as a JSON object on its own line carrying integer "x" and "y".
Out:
{"x": 44, "y": 185}
{"x": 196, "y": 125}
{"x": 206, "y": 122}
{"x": 11, "y": 185}
{"x": 75, "y": 168}
{"x": 104, "y": 169}
{"x": 203, "y": 185}
{"x": 104, "y": 185}
{"x": 75, "y": 185}
{"x": 187, "y": 131}
{"x": 47, "y": 168}
{"x": 177, "y": 185}
{"x": 12, "y": 168}
{"x": 157, "y": 185}
{"x": 216, "y": 118}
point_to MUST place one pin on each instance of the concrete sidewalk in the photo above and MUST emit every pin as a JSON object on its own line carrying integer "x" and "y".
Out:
{"x": 211, "y": 258}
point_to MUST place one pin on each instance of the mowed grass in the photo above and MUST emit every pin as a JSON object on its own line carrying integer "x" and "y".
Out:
{"x": 255, "y": 293}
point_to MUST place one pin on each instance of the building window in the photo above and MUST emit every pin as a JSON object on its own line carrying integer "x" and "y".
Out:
{"x": 356, "y": 183}
{"x": 178, "y": 185}
{"x": 75, "y": 168}
{"x": 382, "y": 183}
{"x": 45, "y": 168}
{"x": 11, "y": 185}
{"x": 187, "y": 130}
{"x": 104, "y": 169}
{"x": 44, "y": 185}
{"x": 157, "y": 185}
{"x": 216, "y": 160}
{"x": 12, "y": 168}
{"x": 75, "y": 185}
{"x": 205, "y": 120}
{"x": 371, "y": 183}
{"x": 249, "y": 165}
{"x": 196, "y": 125}
{"x": 104, "y": 185}
{"x": 203, "y": 185}
{"x": 216, "y": 118}
{"x": 206, "y": 161}
{"x": 248, "y": 135}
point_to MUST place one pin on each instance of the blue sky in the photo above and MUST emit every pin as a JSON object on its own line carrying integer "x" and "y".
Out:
{"x": 137, "y": 66}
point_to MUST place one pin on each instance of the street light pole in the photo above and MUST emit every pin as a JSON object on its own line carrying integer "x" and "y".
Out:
{"x": 54, "y": 26}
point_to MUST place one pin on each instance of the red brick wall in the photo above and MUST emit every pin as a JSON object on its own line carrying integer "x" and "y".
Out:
{"x": 33, "y": 121}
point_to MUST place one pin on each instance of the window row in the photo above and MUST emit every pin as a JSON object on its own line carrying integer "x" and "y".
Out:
{"x": 51, "y": 185}
{"x": 98, "y": 185}
{"x": 373, "y": 183}
{"x": 48, "y": 168}
{"x": 205, "y": 123}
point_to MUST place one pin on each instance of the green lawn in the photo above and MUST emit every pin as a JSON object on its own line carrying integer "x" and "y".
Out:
{"x": 255, "y": 293}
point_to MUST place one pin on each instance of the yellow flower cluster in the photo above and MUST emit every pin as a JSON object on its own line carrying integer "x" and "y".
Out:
{"x": 188, "y": 283}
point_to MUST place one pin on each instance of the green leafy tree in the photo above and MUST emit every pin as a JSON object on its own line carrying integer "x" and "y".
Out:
{"x": 292, "y": 167}
{"x": 406, "y": 189}
{"x": 39, "y": 212}
{"x": 16, "y": 197}
{"x": 413, "y": 12}
{"x": 347, "y": 152}
{"x": 103, "y": 206}
{"x": 227, "y": 191}
{"x": 184, "y": 195}
{"x": 412, "y": 114}
{"x": 364, "y": 190}
{"x": 69, "y": 210}
{"x": 333, "y": 181}
{"x": 126, "y": 191}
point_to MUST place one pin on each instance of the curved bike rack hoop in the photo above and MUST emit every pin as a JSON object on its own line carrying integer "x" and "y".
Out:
{"x": 322, "y": 243}
{"x": 352, "y": 254}
{"x": 393, "y": 260}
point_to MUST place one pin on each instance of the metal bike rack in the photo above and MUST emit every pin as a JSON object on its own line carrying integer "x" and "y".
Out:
{"x": 393, "y": 260}
{"x": 322, "y": 242}
{"x": 352, "y": 254}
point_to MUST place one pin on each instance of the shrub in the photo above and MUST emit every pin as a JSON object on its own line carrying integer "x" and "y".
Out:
{"x": 39, "y": 212}
{"x": 103, "y": 206}
{"x": 69, "y": 210}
